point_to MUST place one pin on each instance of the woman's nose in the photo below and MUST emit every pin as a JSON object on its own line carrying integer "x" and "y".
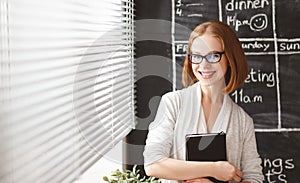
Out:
{"x": 204, "y": 64}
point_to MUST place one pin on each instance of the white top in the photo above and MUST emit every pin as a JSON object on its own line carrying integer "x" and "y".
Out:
{"x": 179, "y": 113}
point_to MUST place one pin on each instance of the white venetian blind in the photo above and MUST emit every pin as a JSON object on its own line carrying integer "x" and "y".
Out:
{"x": 67, "y": 92}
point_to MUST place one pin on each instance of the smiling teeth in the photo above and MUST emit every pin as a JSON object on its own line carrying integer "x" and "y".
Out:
{"x": 206, "y": 73}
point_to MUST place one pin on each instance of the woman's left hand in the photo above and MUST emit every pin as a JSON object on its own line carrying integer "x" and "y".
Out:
{"x": 198, "y": 180}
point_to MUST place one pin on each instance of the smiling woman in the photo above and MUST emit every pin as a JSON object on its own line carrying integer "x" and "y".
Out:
{"x": 214, "y": 66}
{"x": 208, "y": 71}
{"x": 232, "y": 53}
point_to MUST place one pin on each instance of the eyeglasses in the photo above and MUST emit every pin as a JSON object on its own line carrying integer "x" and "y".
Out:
{"x": 212, "y": 57}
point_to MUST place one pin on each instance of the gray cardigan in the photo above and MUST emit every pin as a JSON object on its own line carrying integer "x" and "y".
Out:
{"x": 179, "y": 114}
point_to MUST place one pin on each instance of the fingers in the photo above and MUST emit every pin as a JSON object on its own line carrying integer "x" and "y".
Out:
{"x": 238, "y": 175}
{"x": 237, "y": 178}
{"x": 225, "y": 171}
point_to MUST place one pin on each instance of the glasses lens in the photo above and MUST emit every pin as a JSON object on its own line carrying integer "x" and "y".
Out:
{"x": 213, "y": 57}
{"x": 195, "y": 58}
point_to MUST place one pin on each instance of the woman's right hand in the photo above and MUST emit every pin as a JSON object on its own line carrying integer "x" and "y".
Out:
{"x": 225, "y": 171}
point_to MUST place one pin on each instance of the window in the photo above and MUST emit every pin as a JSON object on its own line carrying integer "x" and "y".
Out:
{"x": 67, "y": 94}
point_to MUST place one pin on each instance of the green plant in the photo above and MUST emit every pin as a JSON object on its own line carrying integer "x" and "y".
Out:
{"x": 129, "y": 176}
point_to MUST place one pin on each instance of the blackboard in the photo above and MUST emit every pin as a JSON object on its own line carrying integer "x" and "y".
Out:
{"x": 269, "y": 33}
{"x": 271, "y": 93}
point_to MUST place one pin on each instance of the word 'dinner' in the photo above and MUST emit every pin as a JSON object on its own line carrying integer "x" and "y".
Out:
{"x": 258, "y": 22}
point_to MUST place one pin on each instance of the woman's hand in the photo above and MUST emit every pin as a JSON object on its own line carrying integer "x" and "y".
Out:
{"x": 198, "y": 180}
{"x": 225, "y": 171}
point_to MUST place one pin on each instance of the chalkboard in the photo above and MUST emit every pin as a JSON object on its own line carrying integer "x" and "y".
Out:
{"x": 269, "y": 33}
{"x": 280, "y": 156}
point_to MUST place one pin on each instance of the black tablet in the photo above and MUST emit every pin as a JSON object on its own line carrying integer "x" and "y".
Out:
{"x": 206, "y": 147}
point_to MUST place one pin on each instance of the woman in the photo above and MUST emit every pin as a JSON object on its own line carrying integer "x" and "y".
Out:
{"x": 215, "y": 65}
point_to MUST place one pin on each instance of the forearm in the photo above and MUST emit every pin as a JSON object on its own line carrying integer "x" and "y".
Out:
{"x": 173, "y": 169}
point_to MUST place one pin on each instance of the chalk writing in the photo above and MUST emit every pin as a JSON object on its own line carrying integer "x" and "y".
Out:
{"x": 181, "y": 48}
{"x": 240, "y": 97}
{"x": 257, "y": 76}
{"x": 289, "y": 46}
{"x": 178, "y": 8}
{"x": 275, "y": 169}
{"x": 256, "y": 23}
{"x": 256, "y": 45}
{"x": 194, "y": 4}
{"x": 243, "y": 5}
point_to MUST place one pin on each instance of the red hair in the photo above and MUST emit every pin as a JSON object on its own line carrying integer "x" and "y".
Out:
{"x": 238, "y": 66}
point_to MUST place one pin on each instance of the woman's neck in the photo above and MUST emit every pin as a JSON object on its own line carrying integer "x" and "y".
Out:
{"x": 212, "y": 100}
{"x": 212, "y": 94}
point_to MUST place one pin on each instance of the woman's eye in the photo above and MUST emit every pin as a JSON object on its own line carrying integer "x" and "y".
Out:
{"x": 215, "y": 55}
{"x": 196, "y": 56}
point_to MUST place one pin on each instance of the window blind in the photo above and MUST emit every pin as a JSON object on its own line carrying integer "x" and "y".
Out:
{"x": 67, "y": 94}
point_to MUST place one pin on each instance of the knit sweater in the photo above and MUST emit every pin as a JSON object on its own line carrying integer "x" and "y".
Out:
{"x": 179, "y": 113}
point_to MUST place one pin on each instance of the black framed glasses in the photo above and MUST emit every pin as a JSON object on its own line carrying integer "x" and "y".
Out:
{"x": 212, "y": 57}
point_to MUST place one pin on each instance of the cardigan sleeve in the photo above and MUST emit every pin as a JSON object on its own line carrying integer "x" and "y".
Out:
{"x": 251, "y": 162}
{"x": 160, "y": 136}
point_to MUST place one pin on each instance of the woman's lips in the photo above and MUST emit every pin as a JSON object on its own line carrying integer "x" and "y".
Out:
{"x": 207, "y": 74}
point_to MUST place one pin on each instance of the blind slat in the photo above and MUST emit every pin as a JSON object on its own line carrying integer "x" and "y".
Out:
{"x": 66, "y": 86}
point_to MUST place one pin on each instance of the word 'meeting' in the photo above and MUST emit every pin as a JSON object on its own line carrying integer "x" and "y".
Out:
{"x": 255, "y": 76}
